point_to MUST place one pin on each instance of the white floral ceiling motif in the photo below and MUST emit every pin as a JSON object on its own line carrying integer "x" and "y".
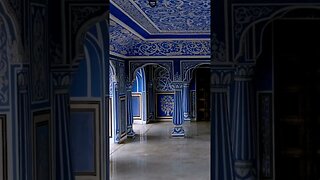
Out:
{"x": 169, "y": 16}
{"x": 125, "y": 43}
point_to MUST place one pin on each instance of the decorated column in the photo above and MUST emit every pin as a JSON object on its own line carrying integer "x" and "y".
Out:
{"x": 116, "y": 113}
{"x": 178, "y": 130}
{"x": 61, "y": 109}
{"x": 221, "y": 153}
{"x": 130, "y": 132}
{"x": 186, "y": 101}
{"x": 25, "y": 148}
{"x": 151, "y": 102}
{"x": 243, "y": 128}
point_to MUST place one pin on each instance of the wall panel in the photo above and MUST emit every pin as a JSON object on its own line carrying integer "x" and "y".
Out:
{"x": 85, "y": 140}
{"x": 3, "y": 148}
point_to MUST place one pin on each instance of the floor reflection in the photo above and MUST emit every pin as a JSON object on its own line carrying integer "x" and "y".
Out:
{"x": 154, "y": 155}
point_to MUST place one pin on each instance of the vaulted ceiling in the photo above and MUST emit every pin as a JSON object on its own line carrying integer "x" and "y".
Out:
{"x": 179, "y": 27}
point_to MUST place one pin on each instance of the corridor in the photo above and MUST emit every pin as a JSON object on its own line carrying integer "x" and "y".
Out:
{"x": 155, "y": 155}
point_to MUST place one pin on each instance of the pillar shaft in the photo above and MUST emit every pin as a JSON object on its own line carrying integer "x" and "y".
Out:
{"x": 221, "y": 154}
{"x": 186, "y": 102}
{"x": 25, "y": 126}
{"x": 130, "y": 132}
{"x": 116, "y": 108}
{"x": 63, "y": 169}
{"x": 178, "y": 120}
{"x": 243, "y": 128}
{"x": 151, "y": 103}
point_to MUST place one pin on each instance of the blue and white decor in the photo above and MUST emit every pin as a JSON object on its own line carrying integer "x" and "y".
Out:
{"x": 4, "y": 68}
{"x": 223, "y": 167}
{"x": 171, "y": 15}
{"x": 39, "y": 67}
{"x": 186, "y": 101}
{"x": 243, "y": 126}
{"x": 165, "y": 105}
{"x": 130, "y": 132}
{"x": 175, "y": 16}
{"x": 178, "y": 130}
{"x": 124, "y": 43}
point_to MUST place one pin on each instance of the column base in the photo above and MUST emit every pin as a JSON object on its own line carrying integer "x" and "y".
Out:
{"x": 244, "y": 170}
{"x": 130, "y": 133}
{"x": 186, "y": 117}
{"x": 178, "y": 131}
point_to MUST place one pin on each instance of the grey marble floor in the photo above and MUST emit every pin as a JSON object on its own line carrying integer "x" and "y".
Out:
{"x": 154, "y": 155}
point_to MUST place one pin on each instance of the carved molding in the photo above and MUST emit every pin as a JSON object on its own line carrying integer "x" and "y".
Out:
{"x": 245, "y": 15}
{"x": 218, "y": 49}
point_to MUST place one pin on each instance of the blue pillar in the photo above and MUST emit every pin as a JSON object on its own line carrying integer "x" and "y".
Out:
{"x": 25, "y": 126}
{"x": 186, "y": 101}
{"x": 221, "y": 149}
{"x": 178, "y": 130}
{"x": 130, "y": 132}
{"x": 150, "y": 102}
{"x": 243, "y": 128}
{"x": 63, "y": 169}
{"x": 117, "y": 136}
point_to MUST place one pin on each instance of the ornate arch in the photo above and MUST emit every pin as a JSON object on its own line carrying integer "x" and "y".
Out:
{"x": 247, "y": 16}
{"x": 135, "y": 66}
{"x": 83, "y": 17}
{"x": 10, "y": 52}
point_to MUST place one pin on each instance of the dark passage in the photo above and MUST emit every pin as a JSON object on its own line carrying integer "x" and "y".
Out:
{"x": 203, "y": 93}
{"x": 297, "y": 105}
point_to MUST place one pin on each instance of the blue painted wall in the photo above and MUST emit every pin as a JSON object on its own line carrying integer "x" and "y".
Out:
{"x": 87, "y": 81}
{"x": 138, "y": 94}
{"x": 82, "y": 139}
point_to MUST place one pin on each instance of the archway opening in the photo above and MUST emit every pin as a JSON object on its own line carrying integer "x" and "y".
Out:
{"x": 202, "y": 76}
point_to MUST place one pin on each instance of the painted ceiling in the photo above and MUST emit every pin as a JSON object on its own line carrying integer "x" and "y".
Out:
{"x": 127, "y": 44}
{"x": 172, "y": 28}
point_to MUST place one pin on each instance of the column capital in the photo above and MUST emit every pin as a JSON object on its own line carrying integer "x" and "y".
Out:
{"x": 61, "y": 81}
{"x": 116, "y": 86}
{"x": 221, "y": 79}
{"x": 23, "y": 81}
{"x": 129, "y": 85}
{"x": 244, "y": 72}
{"x": 177, "y": 85}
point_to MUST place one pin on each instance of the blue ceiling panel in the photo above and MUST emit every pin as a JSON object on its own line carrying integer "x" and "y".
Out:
{"x": 125, "y": 43}
{"x": 116, "y": 12}
{"x": 179, "y": 15}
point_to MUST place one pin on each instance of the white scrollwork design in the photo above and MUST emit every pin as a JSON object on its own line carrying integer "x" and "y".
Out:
{"x": 80, "y": 14}
{"x": 4, "y": 82}
{"x": 218, "y": 49}
{"x": 127, "y": 6}
{"x": 39, "y": 58}
{"x": 167, "y": 105}
{"x": 245, "y": 15}
{"x": 126, "y": 43}
{"x": 179, "y": 15}
{"x": 162, "y": 80}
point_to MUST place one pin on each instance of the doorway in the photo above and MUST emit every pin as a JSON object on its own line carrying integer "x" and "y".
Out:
{"x": 297, "y": 95}
{"x": 202, "y": 76}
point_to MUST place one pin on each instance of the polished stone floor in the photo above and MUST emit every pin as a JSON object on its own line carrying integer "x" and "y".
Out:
{"x": 154, "y": 155}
